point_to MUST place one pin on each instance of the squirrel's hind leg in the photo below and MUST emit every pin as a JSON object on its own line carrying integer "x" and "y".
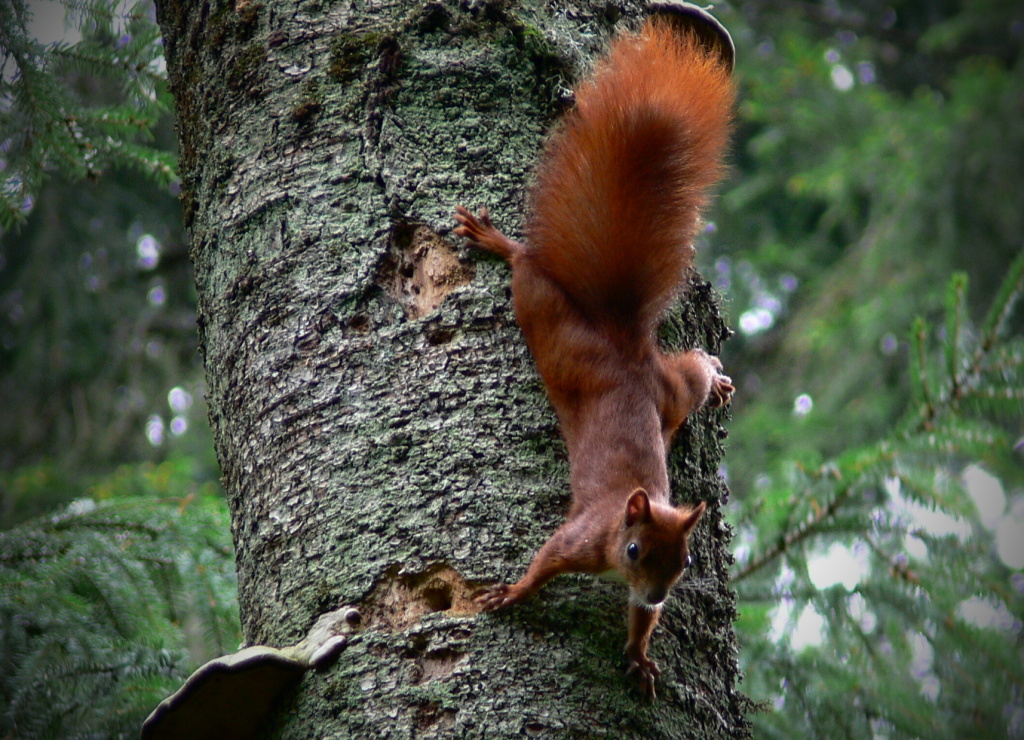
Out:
{"x": 691, "y": 380}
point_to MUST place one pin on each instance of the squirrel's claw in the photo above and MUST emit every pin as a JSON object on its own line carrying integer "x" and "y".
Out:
{"x": 470, "y": 226}
{"x": 647, "y": 672}
{"x": 467, "y": 222}
{"x": 721, "y": 384}
{"x": 721, "y": 390}
{"x": 494, "y": 597}
{"x": 481, "y": 232}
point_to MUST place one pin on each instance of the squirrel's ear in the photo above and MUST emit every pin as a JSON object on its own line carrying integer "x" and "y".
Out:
{"x": 638, "y": 508}
{"x": 693, "y": 517}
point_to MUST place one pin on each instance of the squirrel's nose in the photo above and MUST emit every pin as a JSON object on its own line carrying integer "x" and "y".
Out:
{"x": 656, "y": 595}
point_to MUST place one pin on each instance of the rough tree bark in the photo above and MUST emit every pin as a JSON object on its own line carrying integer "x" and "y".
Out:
{"x": 384, "y": 438}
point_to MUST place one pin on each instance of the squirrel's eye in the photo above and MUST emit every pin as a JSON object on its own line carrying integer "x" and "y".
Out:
{"x": 689, "y": 560}
{"x": 633, "y": 551}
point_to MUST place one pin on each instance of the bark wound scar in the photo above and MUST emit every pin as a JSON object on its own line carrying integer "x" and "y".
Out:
{"x": 421, "y": 269}
{"x": 400, "y": 601}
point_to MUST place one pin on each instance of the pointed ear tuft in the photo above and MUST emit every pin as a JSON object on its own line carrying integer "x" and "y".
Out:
{"x": 638, "y": 508}
{"x": 693, "y": 517}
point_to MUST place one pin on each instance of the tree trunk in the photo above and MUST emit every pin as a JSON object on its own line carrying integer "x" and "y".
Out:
{"x": 384, "y": 437}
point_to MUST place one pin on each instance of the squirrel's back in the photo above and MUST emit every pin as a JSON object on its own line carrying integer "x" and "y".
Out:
{"x": 617, "y": 199}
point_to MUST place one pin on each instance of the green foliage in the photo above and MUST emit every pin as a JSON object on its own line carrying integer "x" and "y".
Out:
{"x": 871, "y": 163}
{"x": 79, "y": 107}
{"x": 33, "y": 490}
{"x": 924, "y": 642}
{"x": 107, "y": 606}
{"x": 97, "y": 327}
{"x": 879, "y": 146}
{"x": 97, "y": 304}
{"x": 879, "y": 151}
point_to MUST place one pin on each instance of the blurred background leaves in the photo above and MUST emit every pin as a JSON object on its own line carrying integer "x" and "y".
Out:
{"x": 116, "y": 564}
{"x": 870, "y": 249}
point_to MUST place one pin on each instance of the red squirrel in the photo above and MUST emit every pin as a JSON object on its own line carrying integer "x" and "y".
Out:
{"x": 615, "y": 209}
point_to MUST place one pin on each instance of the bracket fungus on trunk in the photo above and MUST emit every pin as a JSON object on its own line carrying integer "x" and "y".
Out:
{"x": 229, "y": 697}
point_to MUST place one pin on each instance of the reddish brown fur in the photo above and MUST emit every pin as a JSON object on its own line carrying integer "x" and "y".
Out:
{"x": 623, "y": 180}
{"x": 615, "y": 210}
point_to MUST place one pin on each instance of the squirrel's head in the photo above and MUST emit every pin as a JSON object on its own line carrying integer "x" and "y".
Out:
{"x": 652, "y": 548}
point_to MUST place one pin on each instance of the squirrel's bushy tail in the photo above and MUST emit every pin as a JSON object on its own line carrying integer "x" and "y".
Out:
{"x": 616, "y": 204}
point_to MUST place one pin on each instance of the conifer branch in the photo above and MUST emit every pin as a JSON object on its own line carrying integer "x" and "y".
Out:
{"x": 793, "y": 537}
{"x": 48, "y": 126}
{"x": 919, "y": 371}
{"x": 955, "y": 296}
{"x": 925, "y": 434}
{"x": 1006, "y": 297}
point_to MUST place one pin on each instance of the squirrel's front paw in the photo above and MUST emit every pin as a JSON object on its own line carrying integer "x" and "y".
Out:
{"x": 495, "y": 597}
{"x": 721, "y": 390}
{"x": 647, "y": 671}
